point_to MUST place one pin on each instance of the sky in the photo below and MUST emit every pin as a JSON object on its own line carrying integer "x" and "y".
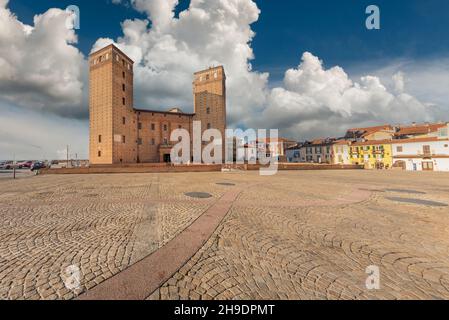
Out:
{"x": 308, "y": 68}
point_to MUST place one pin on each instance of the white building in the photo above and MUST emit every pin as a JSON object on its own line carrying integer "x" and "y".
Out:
{"x": 269, "y": 147}
{"x": 328, "y": 150}
{"x": 422, "y": 154}
{"x": 317, "y": 151}
{"x": 340, "y": 152}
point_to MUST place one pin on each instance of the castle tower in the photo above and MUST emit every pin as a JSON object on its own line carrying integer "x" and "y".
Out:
{"x": 209, "y": 94}
{"x": 113, "y": 128}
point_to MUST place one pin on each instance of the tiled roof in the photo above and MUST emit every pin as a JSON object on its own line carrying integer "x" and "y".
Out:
{"x": 341, "y": 142}
{"x": 412, "y": 140}
{"x": 420, "y": 129}
{"x": 363, "y": 132}
{"x": 277, "y": 140}
{"x": 294, "y": 147}
{"x": 164, "y": 112}
{"x": 319, "y": 142}
{"x": 372, "y": 142}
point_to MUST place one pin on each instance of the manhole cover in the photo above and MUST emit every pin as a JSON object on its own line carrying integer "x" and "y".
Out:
{"x": 201, "y": 195}
{"x": 418, "y": 201}
{"x": 41, "y": 195}
{"x": 226, "y": 184}
{"x": 405, "y": 191}
{"x": 45, "y": 194}
{"x": 91, "y": 195}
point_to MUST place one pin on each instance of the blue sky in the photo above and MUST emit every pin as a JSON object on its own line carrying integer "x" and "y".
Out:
{"x": 308, "y": 68}
{"x": 332, "y": 29}
{"x": 335, "y": 31}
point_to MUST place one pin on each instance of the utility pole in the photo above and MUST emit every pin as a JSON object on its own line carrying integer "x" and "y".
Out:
{"x": 67, "y": 166}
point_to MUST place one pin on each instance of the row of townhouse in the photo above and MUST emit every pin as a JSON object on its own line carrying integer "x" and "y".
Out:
{"x": 415, "y": 147}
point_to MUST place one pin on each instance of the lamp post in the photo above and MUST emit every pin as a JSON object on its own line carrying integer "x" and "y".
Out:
{"x": 14, "y": 166}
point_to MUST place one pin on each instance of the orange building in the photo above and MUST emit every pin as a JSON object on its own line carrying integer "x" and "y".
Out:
{"x": 122, "y": 134}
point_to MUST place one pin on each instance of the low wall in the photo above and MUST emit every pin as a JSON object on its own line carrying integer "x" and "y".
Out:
{"x": 164, "y": 168}
{"x": 308, "y": 166}
{"x": 153, "y": 168}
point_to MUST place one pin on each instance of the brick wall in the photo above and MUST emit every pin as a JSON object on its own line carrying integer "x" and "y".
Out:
{"x": 162, "y": 167}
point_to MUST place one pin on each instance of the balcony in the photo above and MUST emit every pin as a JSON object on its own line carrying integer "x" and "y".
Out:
{"x": 426, "y": 155}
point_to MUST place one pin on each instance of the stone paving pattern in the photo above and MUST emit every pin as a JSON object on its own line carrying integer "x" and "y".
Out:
{"x": 296, "y": 235}
{"x": 102, "y": 224}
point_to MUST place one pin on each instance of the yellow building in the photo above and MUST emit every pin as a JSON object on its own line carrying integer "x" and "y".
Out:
{"x": 372, "y": 154}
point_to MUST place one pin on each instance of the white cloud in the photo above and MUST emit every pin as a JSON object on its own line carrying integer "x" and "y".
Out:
{"x": 41, "y": 69}
{"x": 426, "y": 79}
{"x": 42, "y": 75}
{"x": 312, "y": 100}
{"x": 399, "y": 82}
{"x": 208, "y": 33}
{"x": 33, "y": 135}
{"x": 318, "y": 101}
{"x": 160, "y": 12}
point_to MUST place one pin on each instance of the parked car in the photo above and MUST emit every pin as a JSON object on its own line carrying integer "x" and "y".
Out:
{"x": 7, "y": 165}
{"x": 25, "y": 164}
{"x": 38, "y": 165}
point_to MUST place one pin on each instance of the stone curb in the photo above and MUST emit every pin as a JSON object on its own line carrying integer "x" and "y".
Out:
{"x": 141, "y": 279}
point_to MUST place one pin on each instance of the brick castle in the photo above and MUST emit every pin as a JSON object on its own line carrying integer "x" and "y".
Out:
{"x": 122, "y": 134}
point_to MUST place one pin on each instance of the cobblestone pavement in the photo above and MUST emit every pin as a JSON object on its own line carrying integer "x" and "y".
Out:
{"x": 296, "y": 235}
{"x": 311, "y": 235}
{"x": 20, "y": 174}
{"x": 99, "y": 224}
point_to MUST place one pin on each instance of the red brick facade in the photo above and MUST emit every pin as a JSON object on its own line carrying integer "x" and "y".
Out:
{"x": 121, "y": 134}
